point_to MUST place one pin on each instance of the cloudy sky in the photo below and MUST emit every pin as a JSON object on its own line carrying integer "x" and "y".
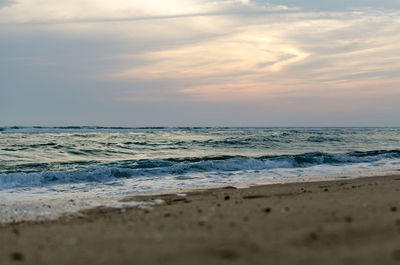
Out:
{"x": 200, "y": 62}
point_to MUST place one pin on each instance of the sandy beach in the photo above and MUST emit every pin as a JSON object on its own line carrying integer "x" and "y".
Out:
{"x": 353, "y": 221}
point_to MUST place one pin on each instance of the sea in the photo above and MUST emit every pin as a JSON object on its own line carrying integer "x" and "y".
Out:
{"x": 48, "y": 172}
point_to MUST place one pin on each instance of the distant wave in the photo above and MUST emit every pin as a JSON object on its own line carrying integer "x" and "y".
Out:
{"x": 55, "y": 129}
{"x": 61, "y": 129}
{"x": 181, "y": 166}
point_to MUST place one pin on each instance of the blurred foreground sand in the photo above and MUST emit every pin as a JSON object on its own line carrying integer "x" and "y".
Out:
{"x": 336, "y": 222}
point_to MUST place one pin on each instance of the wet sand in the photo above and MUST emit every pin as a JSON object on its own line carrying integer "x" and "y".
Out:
{"x": 333, "y": 222}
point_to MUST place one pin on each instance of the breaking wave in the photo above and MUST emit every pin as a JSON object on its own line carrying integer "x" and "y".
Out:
{"x": 159, "y": 168}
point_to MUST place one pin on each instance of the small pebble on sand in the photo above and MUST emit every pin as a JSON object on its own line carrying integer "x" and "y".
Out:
{"x": 17, "y": 256}
{"x": 313, "y": 236}
{"x": 348, "y": 219}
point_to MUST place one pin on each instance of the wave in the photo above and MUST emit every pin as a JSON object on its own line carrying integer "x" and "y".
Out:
{"x": 285, "y": 131}
{"x": 182, "y": 166}
{"x": 60, "y": 129}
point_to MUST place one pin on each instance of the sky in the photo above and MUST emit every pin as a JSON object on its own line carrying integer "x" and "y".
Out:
{"x": 200, "y": 63}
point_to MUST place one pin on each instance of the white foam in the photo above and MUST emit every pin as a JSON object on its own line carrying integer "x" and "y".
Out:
{"x": 45, "y": 203}
{"x": 45, "y": 208}
{"x": 187, "y": 172}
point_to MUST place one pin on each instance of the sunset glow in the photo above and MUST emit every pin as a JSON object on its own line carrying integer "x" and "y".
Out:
{"x": 257, "y": 53}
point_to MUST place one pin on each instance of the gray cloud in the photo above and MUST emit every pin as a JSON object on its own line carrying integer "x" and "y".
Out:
{"x": 50, "y": 75}
{"x": 5, "y": 3}
{"x": 336, "y": 5}
{"x": 228, "y": 12}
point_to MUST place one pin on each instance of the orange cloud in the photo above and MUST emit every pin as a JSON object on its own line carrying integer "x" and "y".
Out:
{"x": 249, "y": 51}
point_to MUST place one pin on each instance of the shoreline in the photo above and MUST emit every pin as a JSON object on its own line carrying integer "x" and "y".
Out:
{"x": 51, "y": 208}
{"x": 347, "y": 221}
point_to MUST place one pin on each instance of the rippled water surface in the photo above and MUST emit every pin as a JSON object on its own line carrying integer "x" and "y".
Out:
{"x": 60, "y": 163}
{"x": 40, "y": 156}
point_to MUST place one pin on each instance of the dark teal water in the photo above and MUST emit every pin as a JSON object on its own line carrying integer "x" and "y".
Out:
{"x": 154, "y": 158}
{"x": 46, "y": 172}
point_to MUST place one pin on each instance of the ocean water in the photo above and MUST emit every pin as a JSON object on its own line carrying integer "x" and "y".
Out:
{"x": 43, "y": 168}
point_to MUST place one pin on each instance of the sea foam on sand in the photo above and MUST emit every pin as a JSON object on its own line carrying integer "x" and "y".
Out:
{"x": 51, "y": 206}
